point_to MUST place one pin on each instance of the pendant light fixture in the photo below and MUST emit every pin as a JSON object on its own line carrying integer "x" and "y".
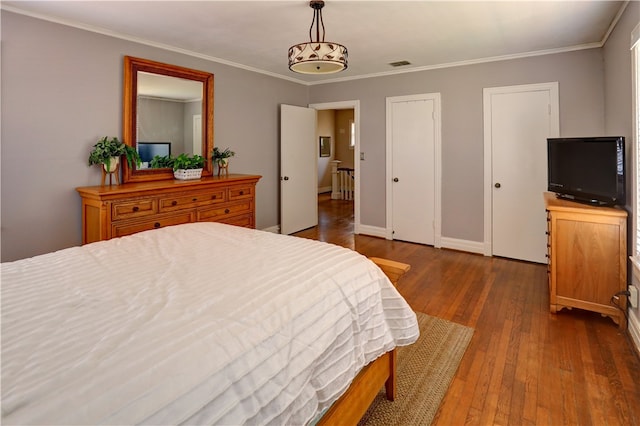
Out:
{"x": 317, "y": 57}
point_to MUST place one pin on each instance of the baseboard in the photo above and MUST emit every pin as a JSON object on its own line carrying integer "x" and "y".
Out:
{"x": 322, "y": 190}
{"x": 462, "y": 245}
{"x": 376, "y": 231}
{"x": 373, "y": 231}
{"x": 447, "y": 243}
{"x": 633, "y": 323}
{"x": 274, "y": 229}
{"x": 634, "y": 328}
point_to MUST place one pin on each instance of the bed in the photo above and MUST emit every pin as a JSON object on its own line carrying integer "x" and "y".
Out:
{"x": 203, "y": 323}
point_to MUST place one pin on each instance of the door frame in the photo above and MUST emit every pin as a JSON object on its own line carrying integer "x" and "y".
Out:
{"x": 355, "y": 105}
{"x": 437, "y": 162}
{"x": 554, "y": 117}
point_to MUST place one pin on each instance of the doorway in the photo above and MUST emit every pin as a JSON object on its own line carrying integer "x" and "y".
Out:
{"x": 338, "y": 121}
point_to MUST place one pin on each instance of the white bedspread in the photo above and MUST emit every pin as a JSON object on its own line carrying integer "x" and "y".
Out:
{"x": 198, "y": 324}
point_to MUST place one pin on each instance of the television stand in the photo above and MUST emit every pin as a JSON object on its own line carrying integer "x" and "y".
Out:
{"x": 587, "y": 257}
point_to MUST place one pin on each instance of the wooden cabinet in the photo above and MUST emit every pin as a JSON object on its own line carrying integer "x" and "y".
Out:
{"x": 115, "y": 211}
{"x": 587, "y": 252}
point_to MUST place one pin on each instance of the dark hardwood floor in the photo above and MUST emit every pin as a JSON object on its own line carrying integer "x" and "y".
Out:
{"x": 524, "y": 365}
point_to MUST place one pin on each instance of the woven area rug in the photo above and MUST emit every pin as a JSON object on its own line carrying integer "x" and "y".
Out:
{"x": 425, "y": 370}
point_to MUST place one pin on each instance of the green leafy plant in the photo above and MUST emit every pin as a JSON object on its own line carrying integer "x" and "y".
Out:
{"x": 162, "y": 161}
{"x": 106, "y": 149}
{"x": 186, "y": 161}
{"x": 218, "y": 155}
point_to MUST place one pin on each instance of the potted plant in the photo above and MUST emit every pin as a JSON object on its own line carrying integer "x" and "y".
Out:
{"x": 187, "y": 166}
{"x": 162, "y": 161}
{"x": 221, "y": 158}
{"x": 108, "y": 152}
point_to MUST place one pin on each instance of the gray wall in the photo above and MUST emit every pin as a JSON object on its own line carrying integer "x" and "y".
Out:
{"x": 580, "y": 77}
{"x": 617, "y": 89}
{"x": 62, "y": 91}
{"x": 164, "y": 121}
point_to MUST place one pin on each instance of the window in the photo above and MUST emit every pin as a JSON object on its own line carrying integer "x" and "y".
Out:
{"x": 352, "y": 134}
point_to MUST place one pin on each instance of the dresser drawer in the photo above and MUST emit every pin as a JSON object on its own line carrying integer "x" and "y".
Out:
{"x": 131, "y": 227}
{"x": 133, "y": 208}
{"x": 185, "y": 201}
{"x": 241, "y": 192}
{"x": 245, "y": 220}
{"x": 115, "y": 211}
{"x": 215, "y": 214}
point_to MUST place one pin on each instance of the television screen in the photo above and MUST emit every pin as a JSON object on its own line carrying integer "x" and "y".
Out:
{"x": 589, "y": 169}
{"x": 148, "y": 150}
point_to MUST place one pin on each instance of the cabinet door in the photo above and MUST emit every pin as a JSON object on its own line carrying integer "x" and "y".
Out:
{"x": 587, "y": 259}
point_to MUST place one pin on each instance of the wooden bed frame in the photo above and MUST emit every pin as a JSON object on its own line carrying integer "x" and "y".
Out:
{"x": 351, "y": 406}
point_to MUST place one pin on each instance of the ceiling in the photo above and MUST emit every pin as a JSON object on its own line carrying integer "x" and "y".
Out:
{"x": 256, "y": 35}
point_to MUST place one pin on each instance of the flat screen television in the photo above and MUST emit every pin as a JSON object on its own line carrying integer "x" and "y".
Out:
{"x": 148, "y": 150}
{"x": 589, "y": 169}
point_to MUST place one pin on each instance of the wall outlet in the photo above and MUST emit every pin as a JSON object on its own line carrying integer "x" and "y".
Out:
{"x": 633, "y": 297}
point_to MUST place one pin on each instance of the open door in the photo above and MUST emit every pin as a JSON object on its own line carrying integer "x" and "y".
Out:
{"x": 298, "y": 186}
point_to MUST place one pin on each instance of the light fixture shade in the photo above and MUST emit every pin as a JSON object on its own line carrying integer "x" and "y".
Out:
{"x": 318, "y": 58}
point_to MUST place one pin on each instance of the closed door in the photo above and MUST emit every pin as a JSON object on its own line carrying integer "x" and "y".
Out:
{"x": 298, "y": 169}
{"x": 518, "y": 121}
{"x": 412, "y": 130}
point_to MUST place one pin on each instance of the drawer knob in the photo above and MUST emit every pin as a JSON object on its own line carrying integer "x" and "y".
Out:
{"x": 174, "y": 203}
{"x": 226, "y": 211}
{"x": 241, "y": 192}
{"x": 136, "y": 208}
{"x": 194, "y": 199}
{"x": 156, "y": 225}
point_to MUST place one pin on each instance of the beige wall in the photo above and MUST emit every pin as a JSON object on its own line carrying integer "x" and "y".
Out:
{"x": 344, "y": 152}
{"x": 325, "y": 127}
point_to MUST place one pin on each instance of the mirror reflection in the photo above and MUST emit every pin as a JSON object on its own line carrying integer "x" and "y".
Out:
{"x": 169, "y": 119}
{"x": 167, "y": 111}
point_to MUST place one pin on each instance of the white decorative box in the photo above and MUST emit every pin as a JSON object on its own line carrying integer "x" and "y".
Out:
{"x": 186, "y": 174}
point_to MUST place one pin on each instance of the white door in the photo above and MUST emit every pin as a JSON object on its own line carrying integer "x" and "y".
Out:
{"x": 298, "y": 169}
{"x": 518, "y": 121}
{"x": 412, "y": 130}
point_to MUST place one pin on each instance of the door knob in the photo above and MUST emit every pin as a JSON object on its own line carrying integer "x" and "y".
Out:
{"x": 285, "y": 178}
{"x": 497, "y": 185}
{"x": 395, "y": 179}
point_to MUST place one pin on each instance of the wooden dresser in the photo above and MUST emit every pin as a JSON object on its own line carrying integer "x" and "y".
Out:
{"x": 115, "y": 211}
{"x": 587, "y": 252}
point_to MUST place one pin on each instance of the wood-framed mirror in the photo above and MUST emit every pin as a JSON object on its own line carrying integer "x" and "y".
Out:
{"x": 167, "y": 109}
